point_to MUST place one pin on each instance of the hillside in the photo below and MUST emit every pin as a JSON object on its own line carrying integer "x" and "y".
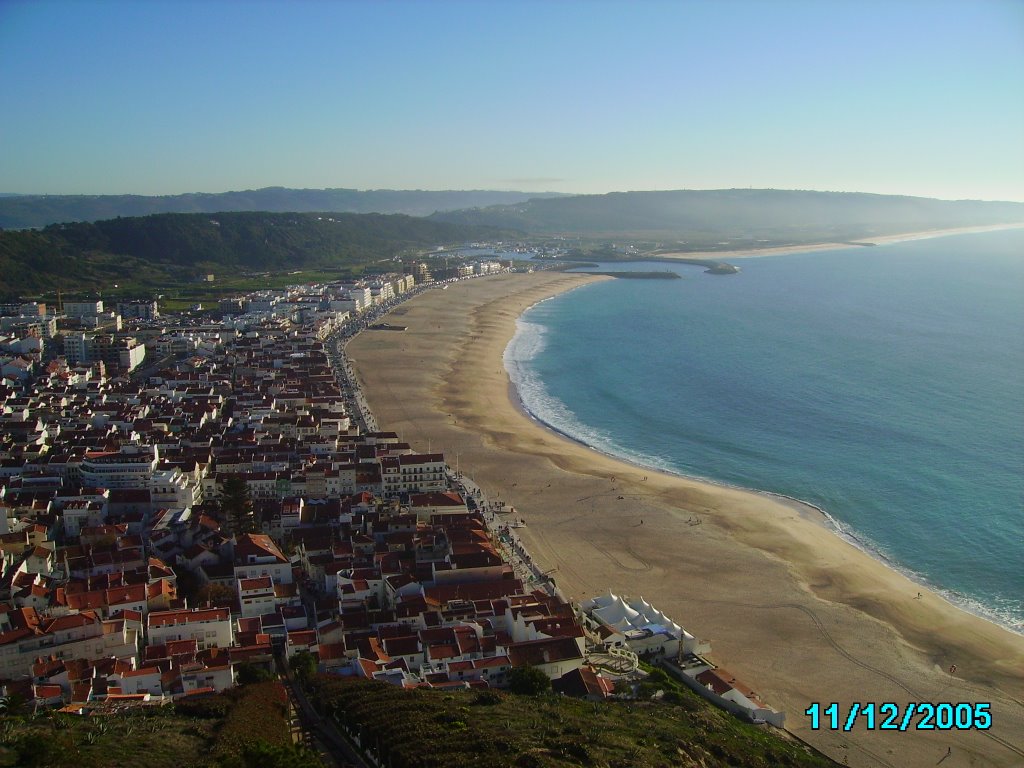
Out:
{"x": 423, "y": 728}
{"x": 247, "y": 727}
{"x": 244, "y": 727}
{"x": 173, "y": 246}
{"x": 707, "y": 216}
{"x": 32, "y": 211}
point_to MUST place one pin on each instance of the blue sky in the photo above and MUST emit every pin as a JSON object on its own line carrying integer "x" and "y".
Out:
{"x": 921, "y": 97}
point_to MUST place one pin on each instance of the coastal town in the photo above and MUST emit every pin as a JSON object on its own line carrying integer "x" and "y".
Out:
{"x": 188, "y": 500}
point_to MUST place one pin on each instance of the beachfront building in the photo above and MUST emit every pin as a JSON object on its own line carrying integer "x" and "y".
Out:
{"x": 642, "y": 629}
{"x": 639, "y": 626}
{"x": 412, "y": 473}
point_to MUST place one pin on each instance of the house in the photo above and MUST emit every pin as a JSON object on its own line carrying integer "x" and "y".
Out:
{"x": 554, "y": 657}
{"x": 256, "y": 596}
{"x": 209, "y": 627}
{"x": 584, "y": 682}
{"x": 78, "y": 635}
{"x": 145, "y": 680}
{"x": 427, "y": 505}
{"x": 257, "y": 555}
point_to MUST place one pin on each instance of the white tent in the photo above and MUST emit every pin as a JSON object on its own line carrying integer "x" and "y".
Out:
{"x": 616, "y": 612}
{"x": 626, "y": 616}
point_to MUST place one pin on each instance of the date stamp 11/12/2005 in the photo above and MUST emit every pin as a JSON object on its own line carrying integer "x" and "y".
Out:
{"x": 890, "y": 716}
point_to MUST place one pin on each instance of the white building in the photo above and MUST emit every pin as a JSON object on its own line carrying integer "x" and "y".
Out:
{"x": 83, "y": 308}
{"x": 646, "y": 631}
{"x": 130, "y": 467}
{"x": 81, "y": 635}
{"x": 131, "y": 356}
{"x": 209, "y": 627}
{"x": 144, "y": 310}
{"x": 256, "y": 555}
{"x": 256, "y": 596}
{"x": 171, "y": 489}
{"x": 413, "y": 473}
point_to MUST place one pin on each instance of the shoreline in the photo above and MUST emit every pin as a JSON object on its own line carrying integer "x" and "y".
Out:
{"x": 788, "y": 605}
{"x": 807, "y": 509}
{"x": 757, "y": 253}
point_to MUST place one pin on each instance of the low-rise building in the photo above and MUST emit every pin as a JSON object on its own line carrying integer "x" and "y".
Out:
{"x": 209, "y": 627}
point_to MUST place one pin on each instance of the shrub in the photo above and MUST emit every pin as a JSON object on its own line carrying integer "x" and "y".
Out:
{"x": 528, "y": 681}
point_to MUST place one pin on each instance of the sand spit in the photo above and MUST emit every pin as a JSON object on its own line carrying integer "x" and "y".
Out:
{"x": 814, "y": 247}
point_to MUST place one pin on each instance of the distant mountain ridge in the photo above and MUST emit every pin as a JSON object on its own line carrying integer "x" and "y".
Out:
{"x": 769, "y": 214}
{"x": 33, "y": 211}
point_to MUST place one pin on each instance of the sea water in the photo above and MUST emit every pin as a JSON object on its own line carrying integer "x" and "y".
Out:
{"x": 883, "y": 384}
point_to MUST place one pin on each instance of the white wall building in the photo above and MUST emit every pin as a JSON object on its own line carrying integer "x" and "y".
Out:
{"x": 209, "y": 627}
{"x": 130, "y": 467}
{"x": 83, "y": 308}
{"x": 75, "y": 636}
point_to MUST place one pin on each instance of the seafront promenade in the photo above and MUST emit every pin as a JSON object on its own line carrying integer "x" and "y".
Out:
{"x": 495, "y": 512}
{"x": 788, "y": 606}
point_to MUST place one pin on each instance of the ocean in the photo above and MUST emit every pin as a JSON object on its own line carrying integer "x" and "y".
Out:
{"x": 883, "y": 384}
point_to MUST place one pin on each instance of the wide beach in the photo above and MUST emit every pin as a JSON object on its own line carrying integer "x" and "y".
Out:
{"x": 789, "y": 608}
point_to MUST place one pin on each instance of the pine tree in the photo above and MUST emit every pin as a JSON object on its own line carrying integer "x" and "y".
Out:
{"x": 236, "y": 506}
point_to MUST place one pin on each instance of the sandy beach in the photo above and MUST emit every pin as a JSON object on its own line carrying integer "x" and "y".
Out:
{"x": 813, "y": 247}
{"x": 790, "y": 608}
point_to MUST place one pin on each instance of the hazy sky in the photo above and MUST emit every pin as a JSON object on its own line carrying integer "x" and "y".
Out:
{"x": 922, "y": 97}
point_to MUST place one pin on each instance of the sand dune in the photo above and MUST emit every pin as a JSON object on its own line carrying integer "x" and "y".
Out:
{"x": 793, "y": 610}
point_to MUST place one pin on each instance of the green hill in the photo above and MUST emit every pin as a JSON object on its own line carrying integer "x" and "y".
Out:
{"x": 25, "y": 211}
{"x": 707, "y": 216}
{"x": 174, "y": 247}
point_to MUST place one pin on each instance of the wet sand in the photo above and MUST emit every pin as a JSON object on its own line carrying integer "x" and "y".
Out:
{"x": 791, "y": 609}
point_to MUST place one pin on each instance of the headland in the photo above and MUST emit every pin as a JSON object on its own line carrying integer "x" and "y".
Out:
{"x": 792, "y": 609}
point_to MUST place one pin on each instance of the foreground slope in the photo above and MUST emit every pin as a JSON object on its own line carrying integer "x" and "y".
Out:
{"x": 425, "y": 728}
{"x": 247, "y": 726}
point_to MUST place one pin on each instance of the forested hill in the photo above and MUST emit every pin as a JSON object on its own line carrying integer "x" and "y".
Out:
{"x": 776, "y": 215}
{"x": 32, "y": 211}
{"x": 152, "y": 248}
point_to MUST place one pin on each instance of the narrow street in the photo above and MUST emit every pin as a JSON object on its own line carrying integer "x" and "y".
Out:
{"x": 319, "y": 734}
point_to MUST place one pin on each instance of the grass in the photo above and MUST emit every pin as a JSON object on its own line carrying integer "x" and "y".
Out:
{"x": 156, "y": 738}
{"x": 412, "y": 729}
{"x": 182, "y": 294}
{"x": 421, "y": 728}
{"x": 211, "y": 732}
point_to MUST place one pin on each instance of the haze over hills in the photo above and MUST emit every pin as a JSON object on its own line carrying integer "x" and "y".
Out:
{"x": 154, "y": 249}
{"x": 156, "y": 246}
{"x": 770, "y": 214}
{"x": 31, "y": 211}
